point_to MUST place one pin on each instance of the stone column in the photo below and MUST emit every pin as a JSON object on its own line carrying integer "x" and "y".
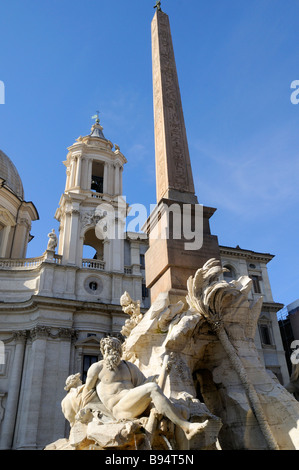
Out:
{"x": 30, "y": 412}
{"x": 110, "y": 179}
{"x": 135, "y": 257}
{"x": 121, "y": 169}
{"x": 4, "y": 242}
{"x": 11, "y": 408}
{"x": 74, "y": 227}
{"x": 66, "y": 337}
{"x": 67, "y": 183}
{"x": 116, "y": 180}
{"x": 84, "y": 168}
{"x": 65, "y": 247}
{"x": 107, "y": 254}
{"x": 117, "y": 288}
{"x": 105, "y": 178}
{"x": 78, "y": 172}
{"x": 20, "y": 239}
{"x": 73, "y": 172}
{"x": 117, "y": 245}
{"x": 89, "y": 174}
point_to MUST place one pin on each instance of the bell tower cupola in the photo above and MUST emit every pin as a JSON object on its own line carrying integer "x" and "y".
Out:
{"x": 94, "y": 168}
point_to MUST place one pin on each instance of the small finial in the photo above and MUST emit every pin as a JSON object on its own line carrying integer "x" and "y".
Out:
{"x": 158, "y": 5}
{"x": 96, "y": 117}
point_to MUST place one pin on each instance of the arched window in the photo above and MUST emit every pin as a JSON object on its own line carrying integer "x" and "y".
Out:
{"x": 97, "y": 177}
{"x": 230, "y": 274}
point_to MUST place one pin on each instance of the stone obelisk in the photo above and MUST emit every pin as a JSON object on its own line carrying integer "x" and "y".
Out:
{"x": 168, "y": 263}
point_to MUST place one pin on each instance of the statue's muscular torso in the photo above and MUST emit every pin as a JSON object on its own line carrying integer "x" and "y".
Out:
{"x": 113, "y": 384}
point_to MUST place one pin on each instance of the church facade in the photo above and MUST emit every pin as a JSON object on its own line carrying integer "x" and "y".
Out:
{"x": 54, "y": 309}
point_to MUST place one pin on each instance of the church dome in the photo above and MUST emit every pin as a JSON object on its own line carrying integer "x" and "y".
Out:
{"x": 10, "y": 174}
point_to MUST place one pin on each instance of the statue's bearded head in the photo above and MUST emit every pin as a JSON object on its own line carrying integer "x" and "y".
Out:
{"x": 112, "y": 351}
{"x": 72, "y": 381}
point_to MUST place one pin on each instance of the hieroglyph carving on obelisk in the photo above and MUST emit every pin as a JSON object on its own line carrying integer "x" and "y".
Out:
{"x": 173, "y": 167}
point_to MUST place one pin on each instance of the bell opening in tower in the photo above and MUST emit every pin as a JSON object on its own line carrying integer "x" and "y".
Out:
{"x": 93, "y": 248}
{"x": 97, "y": 178}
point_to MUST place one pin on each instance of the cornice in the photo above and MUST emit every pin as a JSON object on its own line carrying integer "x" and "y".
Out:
{"x": 271, "y": 306}
{"x": 246, "y": 254}
{"x": 57, "y": 303}
{"x": 44, "y": 331}
{"x": 39, "y": 331}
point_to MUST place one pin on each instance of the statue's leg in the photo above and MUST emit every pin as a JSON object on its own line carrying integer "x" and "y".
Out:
{"x": 135, "y": 402}
{"x": 166, "y": 408}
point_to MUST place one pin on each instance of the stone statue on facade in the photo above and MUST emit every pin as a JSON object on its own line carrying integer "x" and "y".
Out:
{"x": 53, "y": 241}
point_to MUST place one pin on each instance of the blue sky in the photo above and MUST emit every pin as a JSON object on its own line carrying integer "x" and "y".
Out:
{"x": 63, "y": 60}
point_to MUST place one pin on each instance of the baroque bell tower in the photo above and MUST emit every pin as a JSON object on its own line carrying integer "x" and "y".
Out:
{"x": 94, "y": 169}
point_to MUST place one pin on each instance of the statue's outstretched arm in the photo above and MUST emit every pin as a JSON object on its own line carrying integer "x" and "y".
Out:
{"x": 92, "y": 378}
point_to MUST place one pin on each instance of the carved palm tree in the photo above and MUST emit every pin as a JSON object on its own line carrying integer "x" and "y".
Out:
{"x": 211, "y": 298}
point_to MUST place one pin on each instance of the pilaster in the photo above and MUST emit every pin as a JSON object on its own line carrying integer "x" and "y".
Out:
{"x": 11, "y": 408}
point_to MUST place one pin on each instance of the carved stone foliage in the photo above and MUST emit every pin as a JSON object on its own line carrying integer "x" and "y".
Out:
{"x": 91, "y": 218}
{"x": 42, "y": 331}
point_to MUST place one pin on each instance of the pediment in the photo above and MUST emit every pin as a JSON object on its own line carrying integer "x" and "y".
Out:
{"x": 91, "y": 341}
{"x": 264, "y": 318}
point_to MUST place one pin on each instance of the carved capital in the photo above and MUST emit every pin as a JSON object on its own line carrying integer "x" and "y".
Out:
{"x": 39, "y": 332}
{"x": 20, "y": 336}
{"x": 17, "y": 336}
{"x": 66, "y": 333}
{"x": 42, "y": 331}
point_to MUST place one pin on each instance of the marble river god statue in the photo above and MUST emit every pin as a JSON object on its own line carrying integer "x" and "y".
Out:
{"x": 187, "y": 376}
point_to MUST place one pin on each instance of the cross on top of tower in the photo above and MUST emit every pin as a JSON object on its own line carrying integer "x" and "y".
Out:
{"x": 96, "y": 117}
